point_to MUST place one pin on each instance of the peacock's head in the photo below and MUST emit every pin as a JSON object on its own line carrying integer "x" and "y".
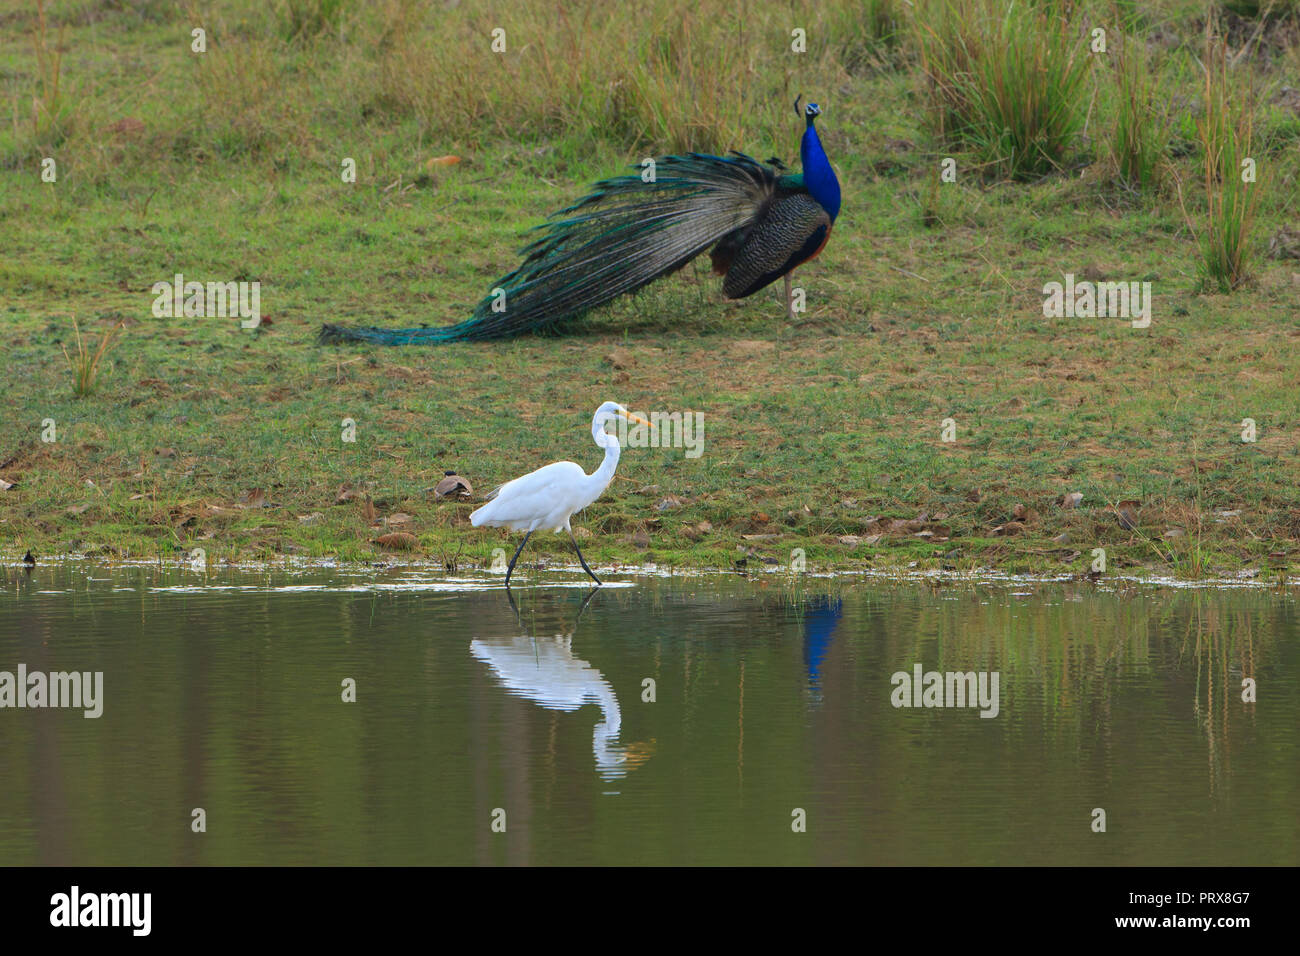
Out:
{"x": 810, "y": 112}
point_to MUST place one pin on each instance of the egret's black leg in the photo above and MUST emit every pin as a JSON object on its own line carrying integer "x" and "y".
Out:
{"x": 582, "y": 559}
{"x": 510, "y": 570}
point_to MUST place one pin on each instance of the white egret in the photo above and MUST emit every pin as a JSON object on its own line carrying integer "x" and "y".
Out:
{"x": 545, "y": 499}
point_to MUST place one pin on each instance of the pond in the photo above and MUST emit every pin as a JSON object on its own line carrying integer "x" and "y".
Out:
{"x": 402, "y": 715}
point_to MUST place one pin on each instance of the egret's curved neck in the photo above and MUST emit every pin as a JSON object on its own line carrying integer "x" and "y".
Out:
{"x": 602, "y": 476}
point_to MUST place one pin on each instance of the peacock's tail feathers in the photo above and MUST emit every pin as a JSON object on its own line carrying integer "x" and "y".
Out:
{"x": 624, "y": 235}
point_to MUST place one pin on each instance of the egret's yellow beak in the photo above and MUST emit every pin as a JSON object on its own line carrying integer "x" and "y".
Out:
{"x": 635, "y": 418}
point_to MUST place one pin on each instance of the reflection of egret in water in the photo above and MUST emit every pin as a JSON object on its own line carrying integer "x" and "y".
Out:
{"x": 820, "y": 618}
{"x": 546, "y": 672}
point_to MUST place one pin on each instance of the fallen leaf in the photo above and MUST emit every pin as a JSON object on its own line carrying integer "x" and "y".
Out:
{"x": 620, "y": 358}
{"x": 128, "y": 126}
{"x": 253, "y": 498}
{"x": 348, "y": 492}
{"x": 397, "y": 541}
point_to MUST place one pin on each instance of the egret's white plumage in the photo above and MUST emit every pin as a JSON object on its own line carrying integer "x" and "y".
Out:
{"x": 545, "y": 499}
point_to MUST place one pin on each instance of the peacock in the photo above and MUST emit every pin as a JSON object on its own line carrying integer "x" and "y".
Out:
{"x": 759, "y": 221}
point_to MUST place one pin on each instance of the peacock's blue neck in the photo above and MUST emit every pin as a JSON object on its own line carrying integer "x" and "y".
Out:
{"x": 818, "y": 177}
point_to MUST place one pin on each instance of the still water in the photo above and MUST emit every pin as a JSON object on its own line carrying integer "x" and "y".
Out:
{"x": 697, "y": 720}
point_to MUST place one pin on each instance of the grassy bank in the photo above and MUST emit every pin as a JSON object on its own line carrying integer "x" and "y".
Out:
{"x": 926, "y": 305}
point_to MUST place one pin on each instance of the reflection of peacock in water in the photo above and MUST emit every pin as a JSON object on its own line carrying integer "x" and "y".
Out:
{"x": 631, "y": 230}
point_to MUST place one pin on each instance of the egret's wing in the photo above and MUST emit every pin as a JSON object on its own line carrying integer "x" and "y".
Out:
{"x": 535, "y": 495}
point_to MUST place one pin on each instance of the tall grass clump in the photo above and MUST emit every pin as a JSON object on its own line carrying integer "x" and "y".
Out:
{"x": 1006, "y": 79}
{"x": 1140, "y": 131}
{"x": 291, "y": 80}
{"x": 865, "y": 36}
{"x": 1264, "y": 9}
{"x": 1226, "y": 133}
{"x": 667, "y": 75}
{"x": 250, "y": 97}
{"x": 309, "y": 19}
{"x": 85, "y": 364}
{"x": 52, "y": 110}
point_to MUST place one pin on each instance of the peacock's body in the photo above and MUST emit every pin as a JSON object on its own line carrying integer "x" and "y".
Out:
{"x": 758, "y": 222}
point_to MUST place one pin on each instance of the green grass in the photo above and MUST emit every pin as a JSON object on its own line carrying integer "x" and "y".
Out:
{"x": 83, "y": 363}
{"x": 1006, "y": 79}
{"x": 925, "y": 305}
{"x": 1141, "y": 128}
{"x": 1232, "y": 191}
